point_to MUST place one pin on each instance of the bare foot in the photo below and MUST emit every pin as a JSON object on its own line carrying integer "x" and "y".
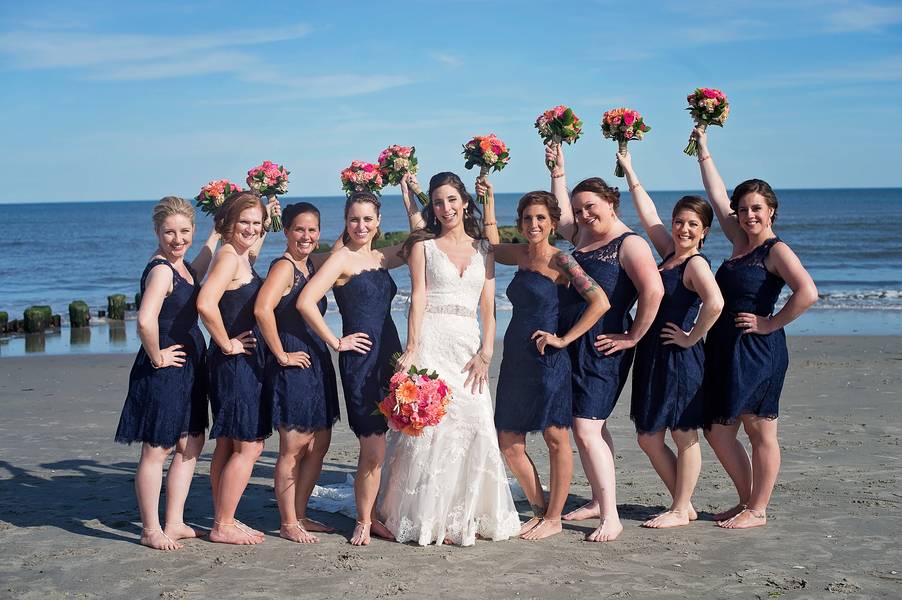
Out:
{"x": 546, "y": 528}
{"x": 590, "y": 510}
{"x": 746, "y": 519}
{"x": 668, "y": 519}
{"x": 607, "y": 531}
{"x": 231, "y": 533}
{"x": 693, "y": 516}
{"x": 155, "y": 538}
{"x": 448, "y": 542}
{"x": 381, "y": 531}
{"x": 528, "y": 526}
{"x": 180, "y": 531}
{"x": 311, "y": 525}
{"x": 361, "y": 535}
{"x": 249, "y": 530}
{"x": 296, "y": 533}
{"x": 729, "y": 514}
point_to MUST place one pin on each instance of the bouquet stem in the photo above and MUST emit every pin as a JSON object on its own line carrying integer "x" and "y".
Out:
{"x": 621, "y": 149}
{"x": 422, "y": 197}
{"x": 483, "y": 172}
{"x": 552, "y": 163}
{"x": 275, "y": 221}
{"x": 692, "y": 148}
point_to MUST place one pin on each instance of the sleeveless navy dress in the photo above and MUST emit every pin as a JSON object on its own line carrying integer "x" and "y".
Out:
{"x": 744, "y": 373}
{"x": 598, "y": 379}
{"x": 236, "y": 381}
{"x": 667, "y": 379}
{"x": 164, "y": 405}
{"x": 534, "y": 391}
{"x": 365, "y": 306}
{"x": 301, "y": 399}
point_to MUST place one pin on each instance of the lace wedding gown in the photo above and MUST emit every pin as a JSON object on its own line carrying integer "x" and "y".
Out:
{"x": 450, "y": 482}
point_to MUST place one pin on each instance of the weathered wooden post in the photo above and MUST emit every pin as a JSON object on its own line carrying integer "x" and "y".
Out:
{"x": 79, "y": 315}
{"x": 57, "y": 321}
{"x": 4, "y": 321}
{"x": 37, "y": 318}
{"x": 115, "y": 307}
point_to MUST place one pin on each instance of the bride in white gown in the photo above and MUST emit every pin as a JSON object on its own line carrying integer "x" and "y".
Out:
{"x": 449, "y": 484}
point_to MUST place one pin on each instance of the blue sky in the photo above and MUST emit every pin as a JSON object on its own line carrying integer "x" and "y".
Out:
{"x": 113, "y": 100}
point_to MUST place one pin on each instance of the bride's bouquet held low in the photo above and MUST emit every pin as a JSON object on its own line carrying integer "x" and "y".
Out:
{"x": 268, "y": 180}
{"x": 487, "y": 151}
{"x": 707, "y": 107}
{"x": 213, "y": 194}
{"x": 623, "y": 125}
{"x": 416, "y": 399}
{"x": 397, "y": 161}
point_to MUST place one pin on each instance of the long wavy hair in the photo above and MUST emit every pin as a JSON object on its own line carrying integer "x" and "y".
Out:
{"x": 433, "y": 228}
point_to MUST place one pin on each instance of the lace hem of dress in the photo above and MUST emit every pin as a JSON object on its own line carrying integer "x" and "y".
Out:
{"x": 686, "y": 429}
{"x": 536, "y": 431}
{"x": 156, "y": 444}
{"x": 299, "y": 429}
{"x": 737, "y": 419}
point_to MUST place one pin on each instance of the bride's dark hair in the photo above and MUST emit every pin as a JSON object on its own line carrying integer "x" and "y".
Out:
{"x": 432, "y": 229}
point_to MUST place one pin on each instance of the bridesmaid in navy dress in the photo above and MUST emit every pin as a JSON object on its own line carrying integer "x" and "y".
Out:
{"x": 299, "y": 380}
{"x": 534, "y": 392}
{"x": 358, "y": 275}
{"x": 622, "y": 264}
{"x": 746, "y": 355}
{"x": 241, "y": 419}
{"x": 166, "y": 406}
{"x": 669, "y": 365}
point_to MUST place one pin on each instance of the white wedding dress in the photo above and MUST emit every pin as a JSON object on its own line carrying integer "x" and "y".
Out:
{"x": 449, "y": 483}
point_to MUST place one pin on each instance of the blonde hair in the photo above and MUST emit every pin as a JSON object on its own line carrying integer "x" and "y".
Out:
{"x": 169, "y": 206}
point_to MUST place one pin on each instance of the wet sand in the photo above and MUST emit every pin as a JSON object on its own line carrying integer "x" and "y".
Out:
{"x": 69, "y": 524}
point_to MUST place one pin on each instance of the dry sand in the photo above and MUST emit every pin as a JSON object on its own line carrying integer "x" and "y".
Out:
{"x": 68, "y": 519}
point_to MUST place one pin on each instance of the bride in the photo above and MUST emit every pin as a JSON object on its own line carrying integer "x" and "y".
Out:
{"x": 449, "y": 484}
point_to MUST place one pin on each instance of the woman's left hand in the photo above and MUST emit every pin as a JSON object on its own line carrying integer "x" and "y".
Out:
{"x": 672, "y": 333}
{"x": 752, "y": 323}
{"x": 543, "y": 339}
{"x": 484, "y": 188}
{"x": 477, "y": 370}
{"x": 609, "y": 343}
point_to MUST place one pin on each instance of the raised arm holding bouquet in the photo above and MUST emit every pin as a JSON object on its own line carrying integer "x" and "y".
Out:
{"x": 557, "y": 125}
{"x": 269, "y": 180}
{"x": 623, "y": 125}
{"x": 707, "y": 107}
{"x": 397, "y": 161}
{"x": 489, "y": 153}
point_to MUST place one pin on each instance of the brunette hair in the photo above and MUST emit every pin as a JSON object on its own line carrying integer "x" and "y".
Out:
{"x": 169, "y": 206}
{"x": 697, "y": 205}
{"x": 472, "y": 215}
{"x": 360, "y": 198}
{"x": 597, "y": 186}
{"x": 236, "y": 202}
{"x": 543, "y": 198}
{"x": 292, "y": 211}
{"x": 755, "y": 186}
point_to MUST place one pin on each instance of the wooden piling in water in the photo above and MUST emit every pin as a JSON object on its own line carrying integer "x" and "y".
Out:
{"x": 79, "y": 315}
{"x": 37, "y": 318}
{"x": 116, "y": 307}
{"x": 4, "y": 321}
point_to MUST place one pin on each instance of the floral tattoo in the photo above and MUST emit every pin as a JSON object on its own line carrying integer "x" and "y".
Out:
{"x": 582, "y": 283}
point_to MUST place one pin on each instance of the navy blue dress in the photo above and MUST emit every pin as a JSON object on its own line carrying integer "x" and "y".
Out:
{"x": 599, "y": 379}
{"x": 236, "y": 382}
{"x": 533, "y": 390}
{"x": 302, "y": 399}
{"x": 163, "y": 405}
{"x": 365, "y": 306}
{"x": 744, "y": 372}
{"x": 667, "y": 379}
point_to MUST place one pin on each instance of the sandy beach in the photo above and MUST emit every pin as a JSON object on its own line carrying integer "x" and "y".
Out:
{"x": 69, "y": 523}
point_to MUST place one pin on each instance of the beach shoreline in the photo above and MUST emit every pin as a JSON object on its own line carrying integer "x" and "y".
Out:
{"x": 68, "y": 513}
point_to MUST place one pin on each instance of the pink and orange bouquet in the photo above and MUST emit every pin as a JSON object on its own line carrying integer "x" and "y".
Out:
{"x": 362, "y": 176}
{"x": 213, "y": 194}
{"x": 395, "y": 162}
{"x": 488, "y": 152}
{"x": 269, "y": 179}
{"x": 707, "y": 107}
{"x": 623, "y": 125}
{"x": 557, "y": 125}
{"x": 415, "y": 400}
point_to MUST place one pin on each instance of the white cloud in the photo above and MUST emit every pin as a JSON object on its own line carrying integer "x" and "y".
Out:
{"x": 448, "y": 60}
{"x": 862, "y": 17}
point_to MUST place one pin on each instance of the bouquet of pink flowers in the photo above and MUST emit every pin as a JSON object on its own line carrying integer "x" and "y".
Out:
{"x": 361, "y": 176}
{"x": 488, "y": 152}
{"x": 395, "y": 162}
{"x": 269, "y": 179}
{"x": 623, "y": 125}
{"x": 213, "y": 194}
{"x": 415, "y": 400}
{"x": 557, "y": 125}
{"x": 707, "y": 107}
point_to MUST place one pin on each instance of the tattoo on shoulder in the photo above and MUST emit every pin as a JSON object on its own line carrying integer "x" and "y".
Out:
{"x": 581, "y": 282}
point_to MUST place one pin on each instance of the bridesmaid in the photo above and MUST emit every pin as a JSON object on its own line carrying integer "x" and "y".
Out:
{"x": 534, "y": 384}
{"x": 669, "y": 365}
{"x": 621, "y": 262}
{"x": 166, "y": 406}
{"x": 358, "y": 275}
{"x": 241, "y": 419}
{"x": 299, "y": 380}
{"x": 746, "y": 354}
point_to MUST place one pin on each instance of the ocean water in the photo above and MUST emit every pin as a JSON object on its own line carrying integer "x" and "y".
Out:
{"x": 850, "y": 240}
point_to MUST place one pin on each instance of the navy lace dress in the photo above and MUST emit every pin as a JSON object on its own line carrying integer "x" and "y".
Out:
{"x": 166, "y": 404}
{"x": 533, "y": 390}
{"x": 236, "y": 381}
{"x": 301, "y": 399}
{"x": 365, "y": 306}
{"x": 599, "y": 379}
{"x": 667, "y": 379}
{"x": 744, "y": 372}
